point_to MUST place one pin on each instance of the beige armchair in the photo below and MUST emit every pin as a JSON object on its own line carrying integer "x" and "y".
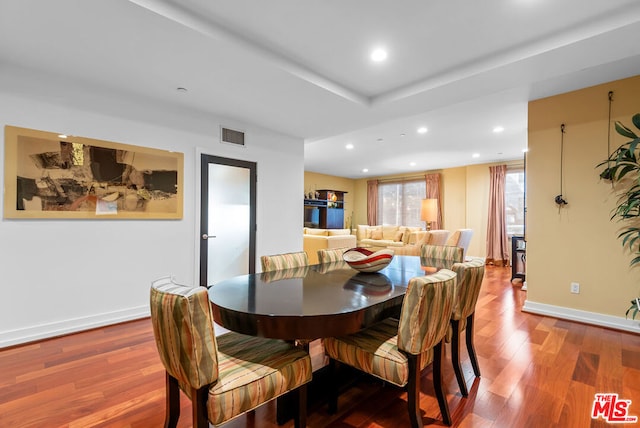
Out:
{"x": 431, "y": 237}
{"x": 460, "y": 238}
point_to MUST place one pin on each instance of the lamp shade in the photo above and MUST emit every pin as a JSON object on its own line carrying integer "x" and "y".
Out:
{"x": 429, "y": 210}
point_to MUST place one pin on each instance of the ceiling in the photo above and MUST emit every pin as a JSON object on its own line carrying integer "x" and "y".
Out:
{"x": 302, "y": 68}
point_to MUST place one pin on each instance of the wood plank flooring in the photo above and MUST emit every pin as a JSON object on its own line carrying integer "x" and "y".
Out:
{"x": 536, "y": 372}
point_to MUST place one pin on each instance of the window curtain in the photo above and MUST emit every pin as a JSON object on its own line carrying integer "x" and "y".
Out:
{"x": 433, "y": 192}
{"x": 497, "y": 241}
{"x": 372, "y": 202}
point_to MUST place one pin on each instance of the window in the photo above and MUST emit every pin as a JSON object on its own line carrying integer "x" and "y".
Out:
{"x": 399, "y": 202}
{"x": 514, "y": 202}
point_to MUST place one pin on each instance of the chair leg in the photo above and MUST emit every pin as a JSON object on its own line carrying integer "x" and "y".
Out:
{"x": 333, "y": 386}
{"x": 199, "y": 407}
{"x": 470, "y": 348}
{"x": 301, "y": 417}
{"x": 438, "y": 386}
{"x": 413, "y": 391}
{"x": 455, "y": 357}
{"x": 172, "y": 411}
{"x": 283, "y": 408}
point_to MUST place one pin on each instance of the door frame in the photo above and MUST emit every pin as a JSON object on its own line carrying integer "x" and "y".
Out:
{"x": 205, "y": 160}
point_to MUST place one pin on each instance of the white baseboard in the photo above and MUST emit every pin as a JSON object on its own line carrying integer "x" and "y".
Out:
{"x": 45, "y": 331}
{"x": 608, "y": 321}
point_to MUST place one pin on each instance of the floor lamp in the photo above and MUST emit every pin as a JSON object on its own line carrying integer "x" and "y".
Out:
{"x": 429, "y": 211}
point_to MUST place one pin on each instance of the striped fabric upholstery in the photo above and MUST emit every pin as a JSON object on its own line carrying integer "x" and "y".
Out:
{"x": 253, "y": 371}
{"x": 441, "y": 252}
{"x": 329, "y": 256}
{"x": 284, "y": 261}
{"x": 470, "y": 275}
{"x": 238, "y": 372}
{"x": 421, "y": 324}
{"x": 278, "y": 275}
{"x": 424, "y": 319}
{"x": 439, "y": 256}
{"x": 183, "y": 328}
{"x": 375, "y": 351}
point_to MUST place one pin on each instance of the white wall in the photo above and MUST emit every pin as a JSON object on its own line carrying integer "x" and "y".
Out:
{"x": 60, "y": 276}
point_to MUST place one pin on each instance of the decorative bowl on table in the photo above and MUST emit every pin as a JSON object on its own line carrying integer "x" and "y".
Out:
{"x": 365, "y": 260}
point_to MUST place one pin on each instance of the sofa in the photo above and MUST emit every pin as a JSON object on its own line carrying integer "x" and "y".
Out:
{"x": 431, "y": 237}
{"x": 384, "y": 236}
{"x": 326, "y": 239}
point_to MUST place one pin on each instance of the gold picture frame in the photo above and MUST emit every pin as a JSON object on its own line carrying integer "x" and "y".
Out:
{"x": 48, "y": 175}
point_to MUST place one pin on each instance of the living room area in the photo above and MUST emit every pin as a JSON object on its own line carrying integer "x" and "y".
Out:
{"x": 464, "y": 202}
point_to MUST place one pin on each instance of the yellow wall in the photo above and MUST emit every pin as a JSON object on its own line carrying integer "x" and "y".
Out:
{"x": 578, "y": 242}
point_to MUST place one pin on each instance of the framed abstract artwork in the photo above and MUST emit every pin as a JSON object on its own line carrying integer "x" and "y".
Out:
{"x": 48, "y": 175}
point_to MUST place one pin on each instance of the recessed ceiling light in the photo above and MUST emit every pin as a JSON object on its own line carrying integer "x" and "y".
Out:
{"x": 62, "y": 136}
{"x": 181, "y": 89}
{"x": 365, "y": 170}
{"x": 349, "y": 146}
{"x": 380, "y": 140}
{"x": 498, "y": 129}
{"x": 378, "y": 55}
{"x": 403, "y": 134}
{"x": 475, "y": 155}
{"x": 422, "y": 130}
{"x": 412, "y": 164}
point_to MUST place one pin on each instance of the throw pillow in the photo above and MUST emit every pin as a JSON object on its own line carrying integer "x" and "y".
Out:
{"x": 388, "y": 232}
{"x": 406, "y": 235}
{"x": 398, "y": 236}
{"x": 376, "y": 234}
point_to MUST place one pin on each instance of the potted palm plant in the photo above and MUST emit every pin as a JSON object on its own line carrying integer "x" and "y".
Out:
{"x": 622, "y": 167}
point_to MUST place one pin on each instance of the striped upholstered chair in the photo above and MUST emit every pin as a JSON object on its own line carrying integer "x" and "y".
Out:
{"x": 469, "y": 276}
{"x": 398, "y": 350}
{"x": 284, "y": 261}
{"x": 223, "y": 376}
{"x": 442, "y": 252}
{"x": 330, "y": 256}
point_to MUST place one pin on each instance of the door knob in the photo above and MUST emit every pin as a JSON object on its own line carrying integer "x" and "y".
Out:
{"x": 205, "y": 236}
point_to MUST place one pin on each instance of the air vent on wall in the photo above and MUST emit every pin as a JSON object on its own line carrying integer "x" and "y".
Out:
{"x": 232, "y": 136}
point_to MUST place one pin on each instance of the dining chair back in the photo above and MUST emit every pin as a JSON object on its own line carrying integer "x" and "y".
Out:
{"x": 331, "y": 256}
{"x": 284, "y": 261}
{"x": 224, "y": 376}
{"x": 431, "y": 254}
{"x": 397, "y": 350}
{"x": 470, "y": 275}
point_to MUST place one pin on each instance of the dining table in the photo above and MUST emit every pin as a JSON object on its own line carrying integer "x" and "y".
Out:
{"x": 310, "y": 302}
{"x": 306, "y": 303}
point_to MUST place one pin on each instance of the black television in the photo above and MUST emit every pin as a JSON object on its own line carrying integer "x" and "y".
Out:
{"x": 311, "y": 217}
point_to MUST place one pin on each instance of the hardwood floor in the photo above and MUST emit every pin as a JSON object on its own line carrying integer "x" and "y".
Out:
{"x": 536, "y": 372}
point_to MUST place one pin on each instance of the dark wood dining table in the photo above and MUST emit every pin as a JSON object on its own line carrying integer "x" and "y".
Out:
{"x": 314, "y": 301}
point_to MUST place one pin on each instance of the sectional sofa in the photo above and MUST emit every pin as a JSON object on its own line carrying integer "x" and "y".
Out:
{"x": 316, "y": 239}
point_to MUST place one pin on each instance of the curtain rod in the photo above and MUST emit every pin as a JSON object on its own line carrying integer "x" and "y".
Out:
{"x": 404, "y": 178}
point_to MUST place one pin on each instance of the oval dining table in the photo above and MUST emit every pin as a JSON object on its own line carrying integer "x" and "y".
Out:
{"x": 312, "y": 302}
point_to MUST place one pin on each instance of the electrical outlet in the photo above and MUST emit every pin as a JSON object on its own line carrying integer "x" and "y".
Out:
{"x": 575, "y": 288}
